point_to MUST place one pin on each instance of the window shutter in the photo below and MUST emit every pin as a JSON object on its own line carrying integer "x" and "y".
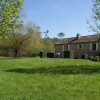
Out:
{"x": 68, "y": 47}
{"x": 63, "y": 47}
{"x": 96, "y": 46}
{"x": 90, "y": 46}
{"x": 78, "y": 47}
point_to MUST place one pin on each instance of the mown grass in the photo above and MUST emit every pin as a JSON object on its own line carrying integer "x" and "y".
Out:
{"x": 49, "y": 79}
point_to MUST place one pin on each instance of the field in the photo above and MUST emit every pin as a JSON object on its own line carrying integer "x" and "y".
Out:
{"x": 49, "y": 79}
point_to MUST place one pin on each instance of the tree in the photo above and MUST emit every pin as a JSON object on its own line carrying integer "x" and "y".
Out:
{"x": 21, "y": 39}
{"x": 37, "y": 45}
{"x": 9, "y": 15}
{"x": 48, "y": 45}
{"x": 61, "y": 35}
{"x": 94, "y": 24}
{"x": 26, "y": 38}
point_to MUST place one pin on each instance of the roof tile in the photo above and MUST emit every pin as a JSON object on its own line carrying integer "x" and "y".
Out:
{"x": 83, "y": 39}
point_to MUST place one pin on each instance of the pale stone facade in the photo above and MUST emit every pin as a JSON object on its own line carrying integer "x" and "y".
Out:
{"x": 83, "y": 47}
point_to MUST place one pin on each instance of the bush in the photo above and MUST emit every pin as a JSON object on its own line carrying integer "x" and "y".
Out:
{"x": 90, "y": 58}
{"x": 96, "y": 58}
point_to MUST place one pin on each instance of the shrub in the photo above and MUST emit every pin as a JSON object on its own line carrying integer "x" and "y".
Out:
{"x": 96, "y": 58}
{"x": 90, "y": 58}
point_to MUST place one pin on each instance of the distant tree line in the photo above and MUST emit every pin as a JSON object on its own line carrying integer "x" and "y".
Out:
{"x": 25, "y": 40}
{"x": 18, "y": 38}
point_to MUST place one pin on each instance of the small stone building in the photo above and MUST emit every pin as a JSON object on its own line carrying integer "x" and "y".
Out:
{"x": 81, "y": 46}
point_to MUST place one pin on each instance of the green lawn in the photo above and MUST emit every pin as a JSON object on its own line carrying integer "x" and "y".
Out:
{"x": 49, "y": 79}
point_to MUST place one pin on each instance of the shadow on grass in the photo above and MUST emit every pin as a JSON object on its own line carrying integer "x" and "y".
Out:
{"x": 59, "y": 70}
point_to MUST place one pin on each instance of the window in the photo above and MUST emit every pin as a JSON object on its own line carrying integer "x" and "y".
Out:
{"x": 80, "y": 46}
{"x": 94, "y": 46}
{"x": 67, "y": 48}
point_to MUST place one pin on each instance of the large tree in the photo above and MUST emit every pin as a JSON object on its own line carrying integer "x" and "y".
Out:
{"x": 95, "y": 20}
{"x": 24, "y": 37}
{"x": 9, "y": 15}
{"x": 21, "y": 41}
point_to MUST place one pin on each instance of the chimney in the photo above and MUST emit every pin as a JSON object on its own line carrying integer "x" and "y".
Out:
{"x": 78, "y": 36}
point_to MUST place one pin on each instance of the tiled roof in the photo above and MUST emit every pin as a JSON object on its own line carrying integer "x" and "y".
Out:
{"x": 82, "y": 39}
{"x": 65, "y": 40}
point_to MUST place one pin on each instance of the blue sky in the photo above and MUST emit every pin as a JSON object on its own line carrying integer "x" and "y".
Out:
{"x": 68, "y": 16}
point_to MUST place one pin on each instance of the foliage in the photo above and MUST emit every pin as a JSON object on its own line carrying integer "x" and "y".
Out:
{"x": 96, "y": 58}
{"x": 9, "y": 15}
{"x": 61, "y": 35}
{"x": 37, "y": 45}
{"x": 95, "y": 21}
{"x": 49, "y": 79}
{"x": 26, "y": 40}
{"x": 20, "y": 41}
{"x": 48, "y": 45}
{"x": 16, "y": 36}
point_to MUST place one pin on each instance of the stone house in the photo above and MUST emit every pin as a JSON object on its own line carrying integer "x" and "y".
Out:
{"x": 81, "y": 46}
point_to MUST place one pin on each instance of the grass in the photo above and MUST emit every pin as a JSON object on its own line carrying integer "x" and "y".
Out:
{"x": 49, "y": 79}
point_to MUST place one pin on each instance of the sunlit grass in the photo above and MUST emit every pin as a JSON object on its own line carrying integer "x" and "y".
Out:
{"x": 49, "y": 79}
